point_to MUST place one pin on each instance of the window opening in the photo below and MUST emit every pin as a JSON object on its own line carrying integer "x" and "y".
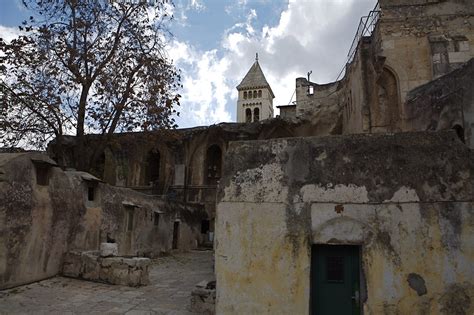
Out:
{"x": 42, "y": 174}
{"x": 245, "y": 95}
{"x": 335, "y": 269}
{"x": 205, "y": 224}
{"x": 256, "y": 114}
{"x": 152, "y": 167}
{"x": 156, "y": 219}
{"x": 248, "y": 115}
{"x": 91, "y": 193}
{"x": 130, "y": 219}
{"x": 259, "y": 93}
{"x": 214, "y": 162}
{"x": 254, "y": 94}
{"x": 460, "y": 132}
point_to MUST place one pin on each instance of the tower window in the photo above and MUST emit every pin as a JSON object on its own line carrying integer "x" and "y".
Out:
{"x": 254, "y": 94}
{"x": 248, "y": 115}
{"x": 250, "y": 94}
{"x": 256, "y": 114}
{"x": 245, "y": 95}
{"x": 259, "y": 93}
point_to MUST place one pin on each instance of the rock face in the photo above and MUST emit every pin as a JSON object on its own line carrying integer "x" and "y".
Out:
{"x": 114, "y": 270}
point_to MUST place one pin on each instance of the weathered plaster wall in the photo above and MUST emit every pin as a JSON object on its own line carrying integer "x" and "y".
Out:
{"x": 35, "y": 221}
{"x": 39, "y": 223}
{"x": 109, "y": 215}
{"x": 406, "y": 199}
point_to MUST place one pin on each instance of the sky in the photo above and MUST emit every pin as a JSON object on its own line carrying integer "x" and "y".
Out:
{"x": 214, "y": 44}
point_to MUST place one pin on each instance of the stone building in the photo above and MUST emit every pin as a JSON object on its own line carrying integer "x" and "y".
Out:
{"x": 379, "y": 224}
{"x": 255, "y": 99}
{"x": 377, "y": 218}
{"x": 357, "y": 199}
{"x": 399, "y": 46}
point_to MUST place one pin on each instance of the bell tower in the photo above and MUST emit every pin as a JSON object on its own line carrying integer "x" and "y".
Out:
{"x": 255, "y": 101}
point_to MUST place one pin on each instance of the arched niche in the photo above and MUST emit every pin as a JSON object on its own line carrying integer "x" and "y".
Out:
{"x": 387, "y": 114}
{"x": 342, "y": 230}
{"x": 152, "y": 170}
{"x": 213, "y": 164}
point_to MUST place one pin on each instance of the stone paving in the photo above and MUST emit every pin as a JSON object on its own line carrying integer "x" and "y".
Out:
{"x": 171, "y": 280}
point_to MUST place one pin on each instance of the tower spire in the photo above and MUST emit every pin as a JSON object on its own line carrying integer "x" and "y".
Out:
{"x": 256, "y": 56}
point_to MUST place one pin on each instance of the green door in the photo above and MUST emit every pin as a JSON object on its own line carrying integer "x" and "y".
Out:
{"x": 335, "y": 280}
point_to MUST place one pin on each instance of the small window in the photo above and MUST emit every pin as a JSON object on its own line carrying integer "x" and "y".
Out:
{"x": 42, "y": 174}
{"x": 254, "y": 94}
{"x": 335, "y": 269}
{"x": 459, "y": 132}
{"x": 310, "y": 90}
{"x": 204, "y": 226}
{"x": 91, "y": 193}
{"x": 156, "y": 219}
{"x": 259, "y": 93}
{"x": 130, "y": 219}
{"x": 245, "y": 95}
{"x": 250, "y": 94}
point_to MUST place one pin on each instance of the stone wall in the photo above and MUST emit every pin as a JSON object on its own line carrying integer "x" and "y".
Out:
{"x": 405, "y": 199}
{"x": 130, "y": 271}
{"x": 411, "y": 44}
{"x": 46, "y": 212}
{"x": 445, "y": 103}
{"x": 36, "y": 218}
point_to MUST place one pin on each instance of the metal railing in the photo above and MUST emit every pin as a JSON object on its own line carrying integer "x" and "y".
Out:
{"x": 366, "y": 27}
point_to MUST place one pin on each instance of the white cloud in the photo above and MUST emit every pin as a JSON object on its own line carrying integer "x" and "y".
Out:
{"x": 9, "y": 33}
{"x": 310, "y": 35}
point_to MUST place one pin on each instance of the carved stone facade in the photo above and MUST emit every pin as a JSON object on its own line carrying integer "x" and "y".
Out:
{"x": 402, "y": 45}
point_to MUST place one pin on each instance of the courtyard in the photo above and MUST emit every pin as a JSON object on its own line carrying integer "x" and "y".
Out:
{"x": 172, "y": 279}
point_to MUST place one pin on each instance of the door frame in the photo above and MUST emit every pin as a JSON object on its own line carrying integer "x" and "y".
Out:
{"x": 362, "y": 284}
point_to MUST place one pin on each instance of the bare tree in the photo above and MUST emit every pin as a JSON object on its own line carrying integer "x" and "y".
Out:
{"x": 87, "y": 66}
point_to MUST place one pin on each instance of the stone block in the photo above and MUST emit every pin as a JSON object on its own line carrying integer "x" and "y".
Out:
{"x": 72, "y": 264}
{"x": 109, "y": 261}
{"x": 130, "y": 262}
{"x": 119, "y": 276}
{"x": 108, "y": 249}
{"x": 91, "y": 267}
{"x": 203, "y": 301}
{"x": 142, "y": 261}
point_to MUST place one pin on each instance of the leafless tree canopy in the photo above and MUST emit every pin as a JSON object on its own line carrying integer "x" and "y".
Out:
{"x": 88, "y": 66}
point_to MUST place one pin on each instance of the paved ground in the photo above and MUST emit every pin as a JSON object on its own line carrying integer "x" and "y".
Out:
{"x": 172, "y": 279}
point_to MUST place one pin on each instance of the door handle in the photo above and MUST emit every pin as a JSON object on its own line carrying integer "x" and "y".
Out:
{"x": 355, "y": 297}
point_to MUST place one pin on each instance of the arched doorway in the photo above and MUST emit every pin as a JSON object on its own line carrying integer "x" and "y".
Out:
{"x": 152, "y": 170}
{"x": 213, "y": 164}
